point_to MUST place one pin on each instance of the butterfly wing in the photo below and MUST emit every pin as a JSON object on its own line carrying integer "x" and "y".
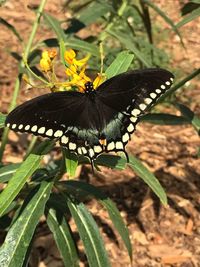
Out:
{"x": 77, "y": 120}
{"x": 138, "y": 89}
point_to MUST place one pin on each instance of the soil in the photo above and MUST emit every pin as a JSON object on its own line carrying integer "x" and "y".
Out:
{"x": 161, "y": 236}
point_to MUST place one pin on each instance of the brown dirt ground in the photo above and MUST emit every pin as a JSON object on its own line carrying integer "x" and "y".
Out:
{"x": 161, "y": 236}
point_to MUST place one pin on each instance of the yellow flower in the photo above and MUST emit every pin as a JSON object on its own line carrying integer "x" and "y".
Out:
{"x": 45, "y": 65}
{"x": 98, "y": 80}
{"x": 70, "y": 57}
{"x": 52, "y": 53}
{"x": 71, "y": 70}
{"x": 46, "y": 60}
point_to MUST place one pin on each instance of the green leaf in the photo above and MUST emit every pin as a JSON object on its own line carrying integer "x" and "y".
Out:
{"x": 193, "y": 15}
{"x": 190, "y": 116}
{"x": 55, "y": 25}
{"x": 111, "y": 161}
{"x": 6, "y": 172}
{"x": 189, "y": 7}
{"x": 11, "y": 28}
{"x": 63, "y": 237}
{"x": 79, "y": 189}
{"x": 20, "y": 177}
{"x": 90, "y": 13}
{"x": 128, "y": 42}
{"x": 164, "y": 119}
{"x": 71, "y": 161}
{"x": 13, "y": 251}
{"x": 90, "y": 236}
{"x": 120, "y": 64}
{"x": 148, "y": 178}
{"x": 165, "y": 17}
{"x": 94, "y": 11}
{"x": 2, "y": 120}
{"x": 82, "y": 45}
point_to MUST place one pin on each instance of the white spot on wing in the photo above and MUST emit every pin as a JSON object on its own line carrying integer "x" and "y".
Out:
{"x": 20, "y": 126}
{"x": 91, "y": 152}
{"x": 158, "y": 91}
{"x": 49, "y": 132}
{"x": 142, "y": 106}
{"x": 162, "y": 86}
{"x": 8, "y": 124}
{"x": 27, "y": 127}
{"x": 58, "y": 133}
{"x": 130, "y": 128}
{"x": 64, "y": 139}
{"x": 119, "y": 145}
{"x": 171, "y": 79}
{"x": 79, "y": 151}
{"x": 167, "y": 83}
{"x": 135, "y": 112}
{"x": 133, "y": 119}
{"x": 153, "y": 95}
{"x": 72, "y": 146}
{"x": 41, "y": 130}
{"x": 34, "y": 128}
{"x": 97, "y": 149}
{"x": 125, "y": 137}
{"x": 148, "y": 100}
{"x": 84, "y": 150}
{"x": 14, "y": 126}
{"x": 111, "y": 146}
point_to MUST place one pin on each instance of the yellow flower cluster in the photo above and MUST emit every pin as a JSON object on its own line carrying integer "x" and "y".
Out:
{"x": 46, "y": 60}
{"x": 75, "y": 71}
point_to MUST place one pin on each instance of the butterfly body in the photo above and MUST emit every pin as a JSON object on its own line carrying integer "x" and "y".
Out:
{"x": 98, "y": 120}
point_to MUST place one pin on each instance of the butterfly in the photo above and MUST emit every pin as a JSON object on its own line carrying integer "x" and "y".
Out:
{"x": 97, "y": 120}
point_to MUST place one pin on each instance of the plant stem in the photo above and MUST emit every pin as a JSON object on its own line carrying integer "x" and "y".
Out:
{"x": 18, "y": 80}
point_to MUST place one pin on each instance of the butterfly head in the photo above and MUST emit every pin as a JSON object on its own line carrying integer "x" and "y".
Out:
{"x": 89, "y": 87}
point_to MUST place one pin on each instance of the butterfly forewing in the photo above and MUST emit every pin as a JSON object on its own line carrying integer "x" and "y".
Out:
{"x": 91, "y": 123}
{"x": 134, "y": 88}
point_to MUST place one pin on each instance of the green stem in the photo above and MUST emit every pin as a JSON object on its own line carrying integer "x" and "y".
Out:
{"x": 31, "y": 146}
{"x": 18, "y": 80}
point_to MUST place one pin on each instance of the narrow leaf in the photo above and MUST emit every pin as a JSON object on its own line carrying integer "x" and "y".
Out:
{"x": 2, "y": 120}
{"x": 164, "y": 16}
{"x": 71, "y": 161}
{"x": 129, "y": 44}
{"x": 19, "y": 178}
{"x": 193, "y": 15}
{"x": 14, "y": 249}
{"x": 190, "y": 116}
{"x": 164, "y": 119}
{"x": 120, "y": 64}
{"x": 94, "y": 11}
{"x": 55, "y": 25}
{"x": 63, "y": 238}
{"x": 80, "y": 189}
{"x": 6, "y": 172}
{"x": 90, "y": 236}
{"x": 148, "y": 178}
{"x": 82, "y": 45}
{"x": 11, "y": 28}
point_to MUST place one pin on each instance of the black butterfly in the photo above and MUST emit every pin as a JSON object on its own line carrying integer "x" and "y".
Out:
{"x": 95, "y": 121}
